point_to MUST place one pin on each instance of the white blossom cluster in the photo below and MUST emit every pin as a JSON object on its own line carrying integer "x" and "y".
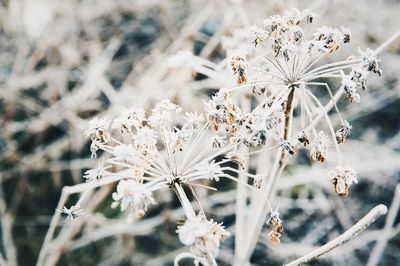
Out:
{"x": 167, "y": 149}
{"x": 279, "y": 66}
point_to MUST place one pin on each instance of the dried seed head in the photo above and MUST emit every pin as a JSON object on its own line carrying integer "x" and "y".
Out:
{"x": 98, "y": 130}
{"x": 239, "y": 68}
{"x": 320, "y": 147}
{"x": 350, "y": 89}
{"x": 342, "y": 133}
{"x": 370, "y": 62}
{"x": 222, "y": 111}
{"x": 303, "y": 137}
{"x": 342, "y": 178}
{"x": 276, "y": 228}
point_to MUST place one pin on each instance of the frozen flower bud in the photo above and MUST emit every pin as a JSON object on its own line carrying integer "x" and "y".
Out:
{"x": 239, "y": 68}
{"x": 319, "y": 149}
{"x": 359, "y": 76}
{"x": 277, "y": 26}
{"x": 276, "y": 228}
{"x": 134, "y": 195}
{"x": 342, "y": 178}
{"x": 293, "y": 17}
{"x": 296, "y": 33}
{"x": 350, "y": 89}
{"x": 221, "y": 110}
{"x": 332, "y": 38}
{"x": 303, "y": 137}
{"x": 98, "y": 130}
{"x": 218, "y": 230}
{"x": 259, "y": 35}
{"x": 342, "y": 133}
{"x": 72, "y": 213}
{"x": 370, "y": 62}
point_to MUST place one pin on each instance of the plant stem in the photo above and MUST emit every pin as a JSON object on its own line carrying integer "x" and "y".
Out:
{"x": 261, "y": 210}
{"x": 343, "y": 238}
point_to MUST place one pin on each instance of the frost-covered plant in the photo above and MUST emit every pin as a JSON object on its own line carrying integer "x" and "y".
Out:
{"x": 165, "y": 150}
{"x": 279, "y": 69}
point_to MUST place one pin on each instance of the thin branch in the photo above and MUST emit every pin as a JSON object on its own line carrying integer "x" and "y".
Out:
{"x": 383, "y": 238}
{"x": 343, "y": 238}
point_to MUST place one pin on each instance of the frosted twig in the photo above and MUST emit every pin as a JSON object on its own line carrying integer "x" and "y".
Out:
{"x": 343, "y": 238}
{"x": 385, "y": 235}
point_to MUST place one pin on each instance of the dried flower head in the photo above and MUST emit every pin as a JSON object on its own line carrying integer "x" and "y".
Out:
{"x": 129, "y": 118}
{"x": 222, "y": 111}
{"x": 276, "y": 228}
{"x": 350, "y": 89}
{"x": 239, "y": 68}
{"x": 319, "y": 149}
{"x": 303, "y": 137}
{"x": 370, "y": 62}
{"x": 342, "y": 178}
{"x": 98, "y": 130}
{"x": 343, "y": 132}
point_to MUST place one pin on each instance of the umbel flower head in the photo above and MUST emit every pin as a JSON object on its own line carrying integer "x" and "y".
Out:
{"x": 167, "y": 150}
{"x": 282, "y": 66}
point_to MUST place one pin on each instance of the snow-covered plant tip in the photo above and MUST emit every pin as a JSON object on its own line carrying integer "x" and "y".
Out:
{"x": 170, "y": 149}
